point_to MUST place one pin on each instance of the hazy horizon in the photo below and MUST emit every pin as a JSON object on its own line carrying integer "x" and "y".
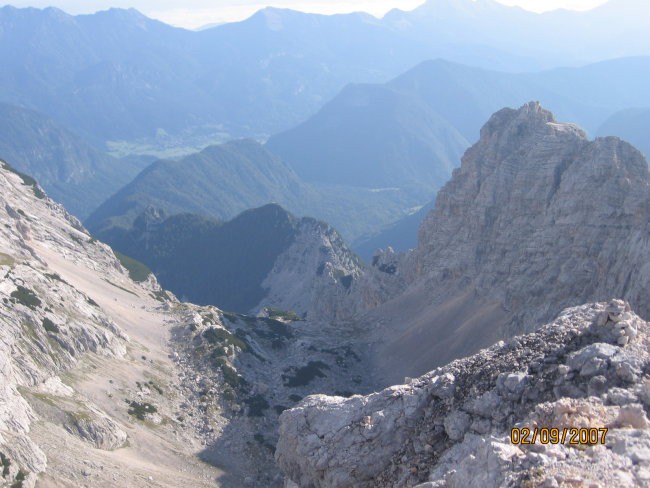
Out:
{"x": 195, "y": 14}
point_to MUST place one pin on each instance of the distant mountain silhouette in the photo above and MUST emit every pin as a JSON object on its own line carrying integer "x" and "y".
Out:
{"x": 415, "y": 127}
{"x": 633, "y": 125}
{"x": 209, "y": 261}
{"x": 118, "y": 75}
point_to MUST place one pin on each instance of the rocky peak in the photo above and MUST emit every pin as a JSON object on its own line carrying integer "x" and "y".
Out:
{"x": 537, "y": 218}
{"x": 314, "y": 275}
{"x": 536, "y": 205}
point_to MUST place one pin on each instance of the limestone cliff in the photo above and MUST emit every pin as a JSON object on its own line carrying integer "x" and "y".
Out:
{"x": 536, "y": 219}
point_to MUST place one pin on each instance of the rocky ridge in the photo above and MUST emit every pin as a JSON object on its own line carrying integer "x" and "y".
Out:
{"x": 264, "y": 257}
{"x": 451, "y": 427}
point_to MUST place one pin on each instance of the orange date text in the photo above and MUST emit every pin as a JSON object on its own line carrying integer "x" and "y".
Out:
{"x": 564, "y": 435}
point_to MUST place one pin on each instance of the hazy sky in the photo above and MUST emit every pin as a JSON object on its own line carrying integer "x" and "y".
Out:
{"x": 196, "y": 13}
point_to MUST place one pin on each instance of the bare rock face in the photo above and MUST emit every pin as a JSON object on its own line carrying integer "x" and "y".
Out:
{"x": 46, "y": 323}
{"x": 539, "y": 214}
{"x": 536, "y": 219}
{"x": 452, "y": 426}
{"x": 314, "y": 275}
{"x": 72, "y": 382}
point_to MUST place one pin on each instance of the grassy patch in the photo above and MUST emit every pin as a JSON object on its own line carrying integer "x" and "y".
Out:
{"x": 279, "y": 329}
{"x": 208, "y": 319}
{"x": 6, "y": 463}
{"x": 50, "y": 326}
{"x": 233, "y": 317}
{"x": 80, "y": 416}
{"x": 20, "y": 477}
{"x": 305, "y": 375}
{"x": 256, "y": 405}
{"x": 139, "y": 410}
{"x": 138, "y": 271}
{"x": 276, "y": 331}
{"x": 221, "y": 336}
{"x": 6, "y": 260}
{"x": 160, "y": 295}
{"x": 156, "y": 387}
{"x": 26, "y": 297}
{"x": 230, "y": 375}
{"x": 277, "y": 314}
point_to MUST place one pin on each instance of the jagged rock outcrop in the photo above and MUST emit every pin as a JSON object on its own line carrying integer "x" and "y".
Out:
{"x": 536, "y": 219}
{"x": 452, "y": 426}
{"x": 314, "y": 275}
{"x": 537, "y": 214}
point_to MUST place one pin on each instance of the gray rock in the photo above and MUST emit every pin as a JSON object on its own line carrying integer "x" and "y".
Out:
{"x": 325, "y": 442}
{"x": 620, "y": 396}
{"x": 456, "y": 424}
{"x": 597, "y": 386}
{"x": 577, "y": 360}
{"x": 98, "y": 430}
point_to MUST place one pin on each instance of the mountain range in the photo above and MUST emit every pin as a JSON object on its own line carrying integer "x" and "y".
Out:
{"x": 538, "y": 217}
{"x": 632, "y": 125}
{"x": 117, "y": 75}
{"x": 373, "y": 155}
{"x": 223, "y": 181}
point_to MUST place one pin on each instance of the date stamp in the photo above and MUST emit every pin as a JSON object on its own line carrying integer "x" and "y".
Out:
{"x": 571, "y": 435}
